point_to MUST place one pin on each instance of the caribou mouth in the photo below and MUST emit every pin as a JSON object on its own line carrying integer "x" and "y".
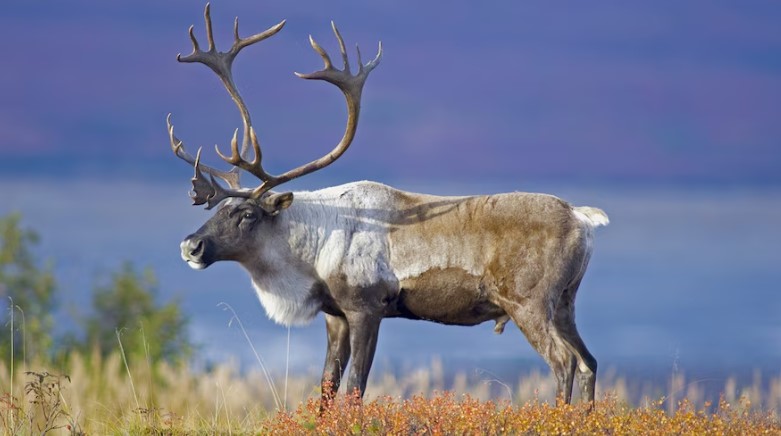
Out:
{"x": 196, "y": 265}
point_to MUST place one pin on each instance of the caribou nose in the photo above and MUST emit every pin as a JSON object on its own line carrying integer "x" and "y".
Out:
{"x": 192, "y": 247}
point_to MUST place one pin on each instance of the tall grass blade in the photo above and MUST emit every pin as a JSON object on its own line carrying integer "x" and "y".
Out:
{"x": 287, "y": 365}
{"x": 277, "y": 401}
{"x": 24, "y": 338}
{"x": 11, "y": 308}
{"x": 127, "y": 369}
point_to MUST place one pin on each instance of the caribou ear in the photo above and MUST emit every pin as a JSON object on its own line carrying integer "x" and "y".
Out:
{"x": 273, "y": 202}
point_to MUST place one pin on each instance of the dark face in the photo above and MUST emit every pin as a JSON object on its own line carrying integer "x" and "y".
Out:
{"x": 235, "y": 232}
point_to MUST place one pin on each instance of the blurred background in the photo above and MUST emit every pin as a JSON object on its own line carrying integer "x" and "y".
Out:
{"x": 667, "y": 115}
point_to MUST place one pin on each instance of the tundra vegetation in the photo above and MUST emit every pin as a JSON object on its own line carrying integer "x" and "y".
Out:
{"x": 99, "y": 381}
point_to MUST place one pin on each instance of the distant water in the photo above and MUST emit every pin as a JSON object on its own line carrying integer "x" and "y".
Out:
{"x": 684, "y": 278}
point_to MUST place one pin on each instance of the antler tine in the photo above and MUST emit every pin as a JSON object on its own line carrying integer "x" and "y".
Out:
{"x": 253, "y": 167}
{"x": 235, "y": 157}
{"x": 240, "y": 43}
{"x": 193, "y": 39}
{"x": 208, "y": 19}
{"x": 323, "y": 54}
{"x": 342, "y": 48}
{"x": 374, "y": 62}
{"x": 202, "y": 188}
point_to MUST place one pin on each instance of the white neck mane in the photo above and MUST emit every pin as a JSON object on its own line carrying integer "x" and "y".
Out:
{"x": 290, "y": 307}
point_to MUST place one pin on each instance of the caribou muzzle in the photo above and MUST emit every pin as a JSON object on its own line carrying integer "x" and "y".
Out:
{"x": 195, "y": 252}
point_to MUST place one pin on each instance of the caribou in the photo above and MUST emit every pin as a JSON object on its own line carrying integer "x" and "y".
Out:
{"x": 364, "y": 251}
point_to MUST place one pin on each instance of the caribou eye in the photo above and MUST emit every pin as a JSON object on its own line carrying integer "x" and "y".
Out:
{"x": 248, "y": 216}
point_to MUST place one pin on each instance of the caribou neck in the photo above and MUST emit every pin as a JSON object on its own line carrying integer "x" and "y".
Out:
{"x": 285, "y": 282}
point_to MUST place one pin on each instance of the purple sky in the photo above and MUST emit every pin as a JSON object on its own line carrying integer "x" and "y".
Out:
{"x": 665, "y": 91}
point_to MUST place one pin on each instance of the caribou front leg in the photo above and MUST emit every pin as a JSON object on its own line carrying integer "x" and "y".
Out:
{"x": 364, "y": 328}
{"x": 336, "y": 357}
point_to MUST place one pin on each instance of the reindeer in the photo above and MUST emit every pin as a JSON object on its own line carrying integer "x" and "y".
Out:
{"x": 364, "y": 251}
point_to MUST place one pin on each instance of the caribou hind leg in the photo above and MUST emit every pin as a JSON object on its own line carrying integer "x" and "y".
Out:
{"x": 586, "y": 364}
{"x": 536, "y": 323}
{"x": 568, "y": 363}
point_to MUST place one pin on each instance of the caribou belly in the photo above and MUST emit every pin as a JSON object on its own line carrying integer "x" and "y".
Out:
{"x": 447, "y": 296}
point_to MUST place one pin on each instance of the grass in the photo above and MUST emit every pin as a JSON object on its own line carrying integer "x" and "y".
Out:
{"x": 445, "y": 414}
{"x": 97, "y": 397}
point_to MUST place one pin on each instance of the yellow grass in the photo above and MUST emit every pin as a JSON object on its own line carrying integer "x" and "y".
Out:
{"x": 100, "y": 399}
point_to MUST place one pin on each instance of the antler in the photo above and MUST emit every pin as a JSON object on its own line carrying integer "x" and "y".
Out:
{"x": 209, "y": 191}
{"x": 352, "y": 88}
{"x": 205, "y": 191}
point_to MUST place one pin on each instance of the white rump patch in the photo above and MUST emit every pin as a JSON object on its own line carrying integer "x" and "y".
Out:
{"x": 592, "y": 216}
